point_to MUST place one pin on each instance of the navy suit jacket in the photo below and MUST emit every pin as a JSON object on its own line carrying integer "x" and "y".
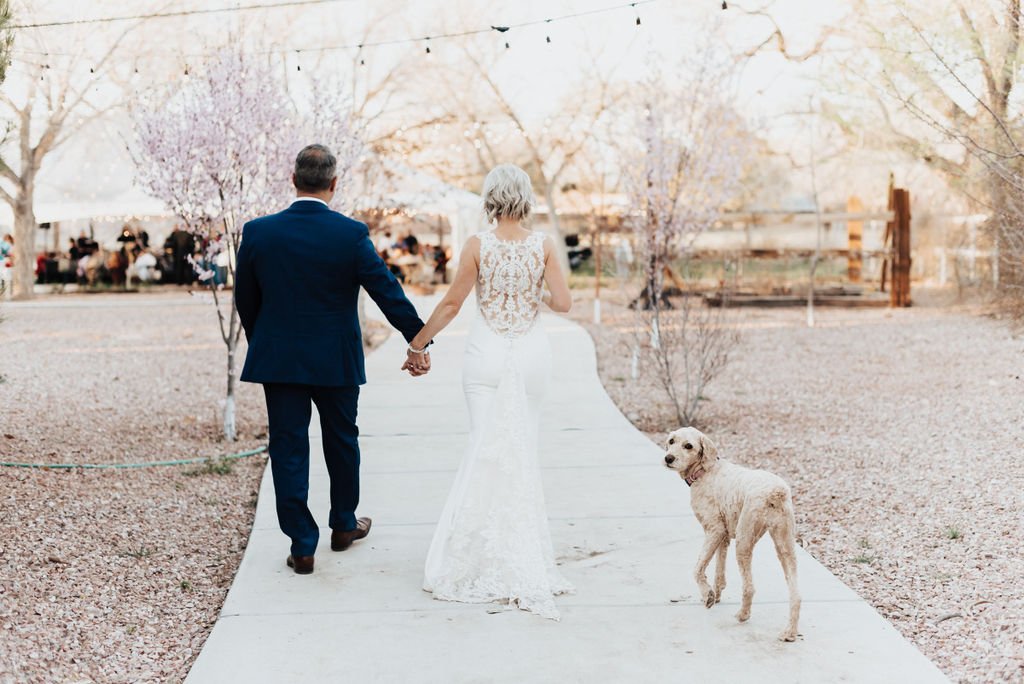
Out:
{"x": 297, "y": 281}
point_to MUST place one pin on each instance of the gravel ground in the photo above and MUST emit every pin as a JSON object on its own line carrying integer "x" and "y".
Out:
{"x": 901, "y": 433}
{"x": 117, "y": 575}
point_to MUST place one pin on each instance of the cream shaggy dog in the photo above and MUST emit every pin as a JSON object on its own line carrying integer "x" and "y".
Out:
{"x": 733, "y": 502}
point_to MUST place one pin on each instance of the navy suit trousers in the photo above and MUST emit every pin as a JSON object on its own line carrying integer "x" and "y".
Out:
{"x": 289, "y": 409}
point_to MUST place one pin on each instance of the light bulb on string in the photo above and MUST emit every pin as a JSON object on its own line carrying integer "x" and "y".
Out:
{"x": 725, "y": 5}
{"x": 633, "y": 5}
{"x": 547, "y": 39}
{"x": 428, "y": 45}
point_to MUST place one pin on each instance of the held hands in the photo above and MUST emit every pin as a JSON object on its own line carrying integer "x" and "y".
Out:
{"x": 416, "y": 363}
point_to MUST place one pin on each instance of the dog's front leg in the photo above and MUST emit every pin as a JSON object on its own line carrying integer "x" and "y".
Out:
{"x": 712, "y": 541}
{"x": 723, "y": 552}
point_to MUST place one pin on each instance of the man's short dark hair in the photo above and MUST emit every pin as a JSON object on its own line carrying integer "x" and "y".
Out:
{"x": 315, "y": 168}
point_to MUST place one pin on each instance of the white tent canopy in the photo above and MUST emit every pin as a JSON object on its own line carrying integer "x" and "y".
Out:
{"x": 397, "y": 186}
{"x": 131, "y": 204}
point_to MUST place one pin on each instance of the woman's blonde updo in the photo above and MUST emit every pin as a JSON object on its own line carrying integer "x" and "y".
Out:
{"x": 508, "y": 193}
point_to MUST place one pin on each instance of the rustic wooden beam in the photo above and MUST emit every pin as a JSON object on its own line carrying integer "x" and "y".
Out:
{"x": 854, "y": 241}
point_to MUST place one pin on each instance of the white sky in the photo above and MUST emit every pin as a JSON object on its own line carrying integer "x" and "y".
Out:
{"x": 534, "y": 72}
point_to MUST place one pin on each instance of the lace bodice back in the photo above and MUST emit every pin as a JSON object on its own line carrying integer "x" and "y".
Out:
{"x": 509, "y": 282}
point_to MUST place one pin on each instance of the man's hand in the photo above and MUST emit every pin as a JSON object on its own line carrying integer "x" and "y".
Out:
{"x": 416, "y": 364}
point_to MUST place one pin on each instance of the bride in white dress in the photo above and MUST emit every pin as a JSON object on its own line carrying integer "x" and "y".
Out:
{"x": 492, "y": 542}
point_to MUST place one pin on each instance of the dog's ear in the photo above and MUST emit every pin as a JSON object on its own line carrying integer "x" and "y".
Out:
{"x": 708, "y": 449}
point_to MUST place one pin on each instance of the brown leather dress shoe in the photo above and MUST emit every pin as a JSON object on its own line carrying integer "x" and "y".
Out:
{"x": 303, "y": 565}
{"x": 341, "y": 540}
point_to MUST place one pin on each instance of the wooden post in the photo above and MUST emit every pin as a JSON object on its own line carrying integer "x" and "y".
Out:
{"x": 855, "y": 241}
{"x": 890, "y": 227}
{"x": 900, "y": 290}
{"x": 903, "y": 224}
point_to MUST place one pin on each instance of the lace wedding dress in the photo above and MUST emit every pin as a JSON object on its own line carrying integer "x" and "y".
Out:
{"x": 492, "y": 542}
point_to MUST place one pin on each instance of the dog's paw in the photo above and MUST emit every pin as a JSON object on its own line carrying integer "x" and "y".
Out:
{"x": 743, "y": 615}
{"x": 718, "y": 593}
{"x": 787, "y": 635}
{"x": 710, "y": 598}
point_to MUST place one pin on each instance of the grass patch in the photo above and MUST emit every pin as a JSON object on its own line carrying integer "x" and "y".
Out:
{"x": 213, "y": 466}
{"x": 185, "y": 585}
{"x": 141, "y": 552}
{"x": 863, "y": 558}
{"x": 953, "y": 533}
{"x": 864, "y": 544}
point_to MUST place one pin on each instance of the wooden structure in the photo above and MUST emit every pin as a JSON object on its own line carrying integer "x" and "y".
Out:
{"x": 897, "y": 243}
{"x": 854, "y": 241}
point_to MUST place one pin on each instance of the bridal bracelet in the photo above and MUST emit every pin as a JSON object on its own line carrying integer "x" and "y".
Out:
{"x": 414, "y": 350}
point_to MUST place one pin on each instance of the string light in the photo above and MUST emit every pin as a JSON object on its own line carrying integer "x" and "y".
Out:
{"x": 362, "y": 61}
{"x": 181, "y": 13}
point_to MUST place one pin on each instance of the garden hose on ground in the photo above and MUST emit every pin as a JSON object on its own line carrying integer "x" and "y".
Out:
{"x": 147, "y": 464}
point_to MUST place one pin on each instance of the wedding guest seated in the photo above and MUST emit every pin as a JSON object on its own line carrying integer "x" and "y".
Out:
{"x": 384, "y": 244}
{"x": 66, "y": 269}
{"x": 441, "y": 258}
{"x": 7, "y": 249}
{"x": 146, "y": 268}
{"x": 47, "y": 268}
{"x": 41, "y": 267}
{"x": 117, "y": 266}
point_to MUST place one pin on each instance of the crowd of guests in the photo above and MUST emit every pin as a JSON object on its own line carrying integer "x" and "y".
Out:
{"x": 86, "y": 262}
{"x": 6, "y": 262}
{"x": 413, "y": 262}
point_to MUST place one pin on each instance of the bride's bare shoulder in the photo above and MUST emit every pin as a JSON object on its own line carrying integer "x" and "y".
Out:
{"x": 472, "y": 246}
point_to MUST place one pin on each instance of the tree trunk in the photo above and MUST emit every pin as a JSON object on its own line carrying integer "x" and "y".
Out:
{"x": 24, "y": 245}
{"x": 230, "y": 431}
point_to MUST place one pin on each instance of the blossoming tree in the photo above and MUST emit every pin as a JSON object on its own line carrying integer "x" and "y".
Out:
{"x": 218, "y": 149}
{"x": 685, "y": 166}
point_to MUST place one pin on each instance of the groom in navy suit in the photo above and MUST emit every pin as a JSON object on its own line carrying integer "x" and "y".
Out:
{"x": 297, "y": 284}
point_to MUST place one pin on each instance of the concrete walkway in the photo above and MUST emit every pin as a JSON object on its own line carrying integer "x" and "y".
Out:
{"x": 623, "y": 532}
